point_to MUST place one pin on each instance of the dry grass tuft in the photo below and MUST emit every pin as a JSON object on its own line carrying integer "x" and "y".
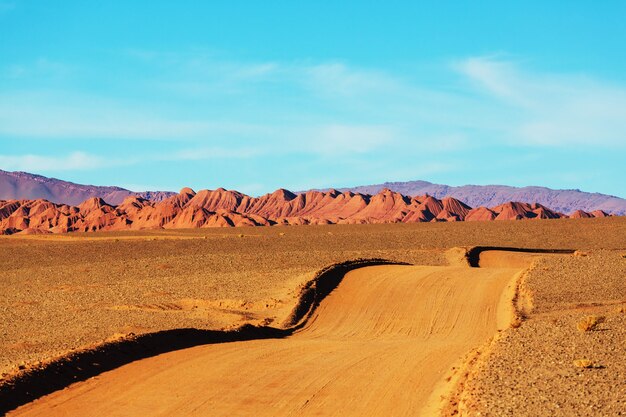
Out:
{"x": 583, "y": 363}
{"x": 590, "y": 323}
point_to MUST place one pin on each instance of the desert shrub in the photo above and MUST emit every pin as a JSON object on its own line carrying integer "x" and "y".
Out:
{"x": 583, "y": 363}
{"x": 590, "y": 323}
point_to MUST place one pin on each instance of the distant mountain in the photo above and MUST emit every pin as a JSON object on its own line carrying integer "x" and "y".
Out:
{"x": 565, "y": 201}
{"x": 224, "y": 208}
{"x": 25, "y": 186}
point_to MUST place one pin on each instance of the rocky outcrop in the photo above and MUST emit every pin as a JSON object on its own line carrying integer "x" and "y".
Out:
{"x": 224, "y": 208}
{"x": 566, "y": 201}
{"x": 22, "y": 185}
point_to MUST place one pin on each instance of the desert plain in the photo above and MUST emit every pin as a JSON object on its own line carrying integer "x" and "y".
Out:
{"x": 211, "y": 321}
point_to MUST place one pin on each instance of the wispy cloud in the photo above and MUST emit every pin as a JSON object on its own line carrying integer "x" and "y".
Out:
{"x": 551, "y": 109}
{"x": 36, "y": 163}
{"x": 204, "y": 153}
{"x": 85, "y": 161}
{"x": 61, "y": 115}
{"x": 341, "y": 139}
{"x": 323, "y": 108}
{"x": 339, "y": 79}
{"x": 498, "y": 78}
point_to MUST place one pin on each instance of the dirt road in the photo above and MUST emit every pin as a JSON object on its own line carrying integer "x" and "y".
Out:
{"x": 378, "y": 345}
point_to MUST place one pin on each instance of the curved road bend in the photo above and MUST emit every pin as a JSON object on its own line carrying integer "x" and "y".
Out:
{"x": 376, "y": 346}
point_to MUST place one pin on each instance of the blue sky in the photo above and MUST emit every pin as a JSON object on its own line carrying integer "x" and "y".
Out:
{"x": 259, "y": 95}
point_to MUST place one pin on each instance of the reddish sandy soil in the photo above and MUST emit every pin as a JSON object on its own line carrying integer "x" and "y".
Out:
{"x": 382, "y": 330}
{"x": 378, "y": 345}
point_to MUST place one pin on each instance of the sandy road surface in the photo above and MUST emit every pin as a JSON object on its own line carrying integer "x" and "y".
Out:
{"x": 377, "y": 345}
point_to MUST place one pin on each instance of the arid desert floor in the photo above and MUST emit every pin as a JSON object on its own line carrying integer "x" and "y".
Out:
{"x": 430, "y": 335}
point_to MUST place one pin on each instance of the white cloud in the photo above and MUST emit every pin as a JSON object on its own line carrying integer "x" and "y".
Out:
{"x": 324, "y": 108}
{"x": 499, "y": 78}
{"x": 338, "y": 79}
{"x": 35, "y": 163}
{"x": 204, "y": 153}
{"x": 68, "y": 116}
{"x": 550, "y": 109}
{"x": 83, "y": 161}
{"x": 341, "y": 139}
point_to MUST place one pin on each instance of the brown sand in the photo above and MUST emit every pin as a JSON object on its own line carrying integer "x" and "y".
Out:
{"x": 378, "y": 345}
{"x": 65, "y": 292}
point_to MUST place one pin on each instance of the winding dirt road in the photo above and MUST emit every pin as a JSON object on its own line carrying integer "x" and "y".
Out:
{"x": 378, "y": 345}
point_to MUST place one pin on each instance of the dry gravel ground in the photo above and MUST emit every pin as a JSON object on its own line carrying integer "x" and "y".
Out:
{"x": 530, "y": 371}
{"x": 65, "y": 292}
{"x": 69, "y": 291}
{"x": 377, "y": 346}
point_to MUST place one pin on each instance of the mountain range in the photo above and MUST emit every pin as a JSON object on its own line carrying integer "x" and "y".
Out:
{"x": 224, "y": 208}
{"x": 22, "y": 185}
{"x": 565, "y": 201}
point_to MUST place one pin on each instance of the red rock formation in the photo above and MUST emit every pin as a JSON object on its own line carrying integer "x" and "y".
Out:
{"x": 480, "y": 214}
{"x": 599, "y": 213}
{"x": 224, "y": 208}
{"x": 417, "y": 216}
{"x": 383, "y": 206}
{"x": 543, "y": 212}
{"x": 455, "y": 207}
{"x": 8, "y": 207}
{"x": 447, "y": 216}
{"x": 432, "y": 205}
{"x": 580, "y": 214}
{"x": 566, "y": 201}
{"x": 22, "y": 185}
{"x": 513, "y": 210}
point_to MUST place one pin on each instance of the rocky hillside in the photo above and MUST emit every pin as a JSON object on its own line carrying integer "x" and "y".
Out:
{"x": 223, "y": 208}
{"x": 22, "y": 185}
{"x": 566, "y": 201}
